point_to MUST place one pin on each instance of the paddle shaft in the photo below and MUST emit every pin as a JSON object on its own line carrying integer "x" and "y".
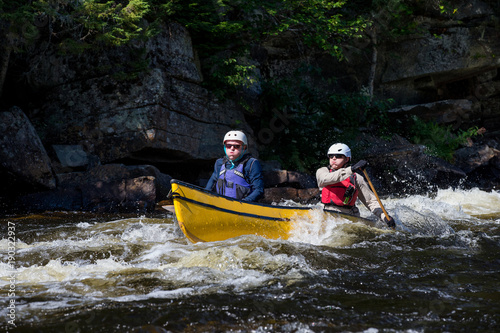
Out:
{"x": 375, "y": 192}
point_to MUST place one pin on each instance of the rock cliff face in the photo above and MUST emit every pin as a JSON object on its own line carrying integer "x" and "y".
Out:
{"x": 103, "y": 108}
{"x": 115, "y": 115}
{"x": 458, "y": 62}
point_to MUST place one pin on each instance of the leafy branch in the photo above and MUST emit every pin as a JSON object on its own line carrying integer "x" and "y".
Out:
{"x": 441, "y": 140}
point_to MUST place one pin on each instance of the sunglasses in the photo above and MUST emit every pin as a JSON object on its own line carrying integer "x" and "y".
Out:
{"x": 336, "y": 156}
{"x": 228, "y": 146}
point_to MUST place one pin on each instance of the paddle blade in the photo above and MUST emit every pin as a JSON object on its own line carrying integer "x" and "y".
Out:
{"x": 170, "y": 208}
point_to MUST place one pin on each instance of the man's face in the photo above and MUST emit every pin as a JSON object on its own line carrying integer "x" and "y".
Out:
{"x": 337, "y": 161}
{"x": 233, "y": 149}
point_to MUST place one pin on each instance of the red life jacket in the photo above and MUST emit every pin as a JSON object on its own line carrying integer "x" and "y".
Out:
{"x": 343, "y": 194}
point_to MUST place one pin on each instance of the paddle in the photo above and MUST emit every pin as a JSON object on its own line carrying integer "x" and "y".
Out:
{"x": 170, "y": 208}
{"x": 376, "y": 196}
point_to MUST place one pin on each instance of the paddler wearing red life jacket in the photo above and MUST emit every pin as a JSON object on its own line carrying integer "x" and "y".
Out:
{"x": 237, "y": 175}
{"x": 340, "y": 185}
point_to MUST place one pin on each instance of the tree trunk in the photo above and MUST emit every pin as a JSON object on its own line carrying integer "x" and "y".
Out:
{"x": 373, "y": 65}
{"x": 4, "y": 65}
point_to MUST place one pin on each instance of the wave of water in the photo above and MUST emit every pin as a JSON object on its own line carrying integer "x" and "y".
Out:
{"x": 438, "y": 268}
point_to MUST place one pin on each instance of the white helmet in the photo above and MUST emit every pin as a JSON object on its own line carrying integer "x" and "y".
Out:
{"x": 236, "y": 135}
{"x": 339, "y": 148}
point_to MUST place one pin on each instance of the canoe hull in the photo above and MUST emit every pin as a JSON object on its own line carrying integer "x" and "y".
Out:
{"x": 205, "y": 216}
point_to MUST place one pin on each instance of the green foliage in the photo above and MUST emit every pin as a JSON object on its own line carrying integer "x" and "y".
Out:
{"x": 393, "y": 18}
{"x": 446, "y": 7}
{"x": 112, "y": 22}
{"x": 311, "y": 119}
{"x": 94, "y": 23}
{"x": 230, "y": 74}
{"x": 318, "y": 23}
{"x": 77, "y": 25}
{"x": 440, "y": 140}
{"x": 223, "y": 30}
{"x": 16, "y": 24}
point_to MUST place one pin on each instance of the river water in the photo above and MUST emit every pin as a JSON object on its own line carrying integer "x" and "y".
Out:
{"x": 439, "y": 271}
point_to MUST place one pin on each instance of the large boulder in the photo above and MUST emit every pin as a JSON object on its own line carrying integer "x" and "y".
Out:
{"x": 161, "y": 113}
{"x": 449, "y": 61}
{"x": 397, "y": 166}
{"x": 104, "y": 188}
{"x": 481, "y": 162}
{"x": 22, "y": 154}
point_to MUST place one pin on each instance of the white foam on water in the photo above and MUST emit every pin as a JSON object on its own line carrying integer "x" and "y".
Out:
{"x": 6, "y": 245}
{"x": 320, "y": 228}
{"x": 85, "y": 225}
{"x": 167, "y": 252}
{"x": 429, "y": 214}
{"x": 472, "y": 202}
{"x": 58, "y": 271}
{"x": 451, "y": 204}
{"x": 420, "y": 222}
{"x": 230, "y": 258}
{"x": 151, "y": 233}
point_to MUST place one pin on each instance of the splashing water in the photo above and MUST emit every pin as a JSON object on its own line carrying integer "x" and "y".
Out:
{"x": 122, "y": 274}
{"x": 320, "y": 228}
{"x": 472, "y": 202}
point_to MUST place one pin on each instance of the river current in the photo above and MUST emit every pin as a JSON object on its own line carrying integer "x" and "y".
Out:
{"x": 438, "y": 272}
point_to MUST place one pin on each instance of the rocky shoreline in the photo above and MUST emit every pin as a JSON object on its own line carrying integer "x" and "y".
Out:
{"x": 74, "y": 182}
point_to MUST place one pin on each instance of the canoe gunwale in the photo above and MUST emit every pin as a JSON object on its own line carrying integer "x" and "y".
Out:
{"x": 262, "y": 217}
{"x": 258, "y": 204}
{"x": 214, "y": 194}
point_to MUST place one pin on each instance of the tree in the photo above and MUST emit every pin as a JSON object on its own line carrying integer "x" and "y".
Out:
{"x": 75, "y": 25}
{"x": 223, "y": 31}
{"x": 16, "y": 30}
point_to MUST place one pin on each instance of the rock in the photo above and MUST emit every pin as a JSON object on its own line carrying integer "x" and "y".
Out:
{"x": 126, "y": 195}
{"x": 66, "y": 199}
{"x": 471, "y": 158}
{"x": 301, "y": 180}
{"x": 481, "y": 161}
{"x": 442, "y": 112}
{"x": 443, "y": 54}
{"x": 280, "y": 194}
{"x": 309, "y": 195}
{"x": 71, "y": 155}
{"x": 274, "y": 177}
{"x": 162, "y": 114}
{"x": 282, "y": 178}
{"x": 171, "y": 50}
{"x": 398, "y": 166}
{"x": 288, "y": 185}
{"x": 22, "y": 153}
{"x": 105, "y": 188}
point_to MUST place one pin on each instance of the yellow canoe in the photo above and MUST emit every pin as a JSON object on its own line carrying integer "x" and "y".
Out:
{"x": 206, "y": 216}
